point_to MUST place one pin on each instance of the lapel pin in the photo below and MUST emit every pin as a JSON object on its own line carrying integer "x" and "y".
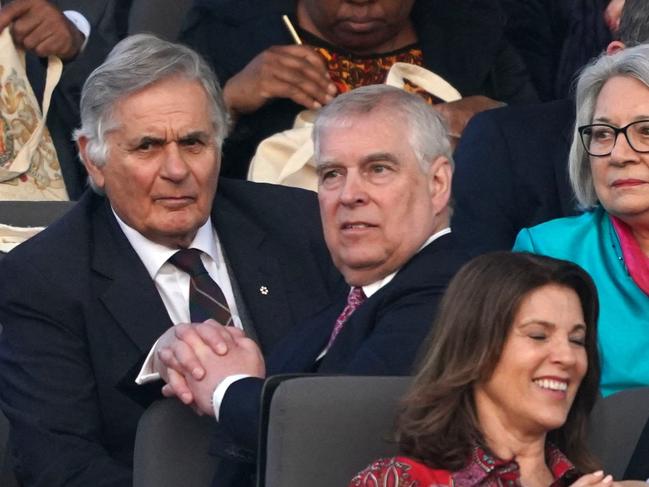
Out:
{"x": 263, "y": 290}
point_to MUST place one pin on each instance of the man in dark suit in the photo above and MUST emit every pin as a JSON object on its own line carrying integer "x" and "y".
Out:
{"x": 83, "y": 302}
{"x": 511, "y": 163}
{"x": 384, "y": 163}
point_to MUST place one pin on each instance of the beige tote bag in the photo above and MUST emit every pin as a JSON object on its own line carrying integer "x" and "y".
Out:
{"x": 29, "y": 167}
{"x": 286, "y": 158}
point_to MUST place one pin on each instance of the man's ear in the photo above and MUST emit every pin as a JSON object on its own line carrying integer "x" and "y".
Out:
{"x": 95, "y": 172}
{"x": 440, "y": 175}
{"x": 614, "y": 46}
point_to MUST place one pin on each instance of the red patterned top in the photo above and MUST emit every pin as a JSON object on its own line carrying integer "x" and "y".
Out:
{"x": 484, "y": 470}
{"x": 348, "y": 70}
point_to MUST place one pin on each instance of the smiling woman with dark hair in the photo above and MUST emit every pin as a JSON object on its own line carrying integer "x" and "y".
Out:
{"x": 504, "y": 393}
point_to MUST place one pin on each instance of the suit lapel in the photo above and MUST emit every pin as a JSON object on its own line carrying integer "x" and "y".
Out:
{"x": 300, "y": 350}
{"x": 362, "y": 322}
{"x": 257, "y": 269}
{"x": 130, "y": 295}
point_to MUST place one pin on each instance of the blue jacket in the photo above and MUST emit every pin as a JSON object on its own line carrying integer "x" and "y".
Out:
{"x": 590, "y": 241}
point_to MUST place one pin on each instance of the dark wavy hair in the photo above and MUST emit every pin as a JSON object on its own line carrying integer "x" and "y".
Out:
{"x": 438, "y": 423}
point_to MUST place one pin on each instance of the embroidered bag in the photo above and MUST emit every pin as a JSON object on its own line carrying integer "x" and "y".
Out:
{"x": 29, "y": 167}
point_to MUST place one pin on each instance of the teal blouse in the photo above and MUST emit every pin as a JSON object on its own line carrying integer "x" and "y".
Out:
{"x": 590, "y": 241}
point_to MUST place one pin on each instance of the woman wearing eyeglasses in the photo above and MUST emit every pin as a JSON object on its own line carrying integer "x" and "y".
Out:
{"x": 609, "y": 173}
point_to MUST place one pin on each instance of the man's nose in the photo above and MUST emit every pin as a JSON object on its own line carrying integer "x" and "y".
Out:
{"x": 174, "y": 166}
{"x": 353, "y": 190}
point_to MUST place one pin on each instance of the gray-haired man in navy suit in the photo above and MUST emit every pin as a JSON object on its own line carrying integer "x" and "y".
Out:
{"x": 383, "y": 158}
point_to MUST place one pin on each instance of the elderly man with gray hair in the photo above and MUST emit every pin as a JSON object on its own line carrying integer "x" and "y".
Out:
{"x": 384, "y": 162}
{"x": 156, "y": 244}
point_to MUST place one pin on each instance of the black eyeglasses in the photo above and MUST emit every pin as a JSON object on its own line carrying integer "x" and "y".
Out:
{"x": 599, "y": 138}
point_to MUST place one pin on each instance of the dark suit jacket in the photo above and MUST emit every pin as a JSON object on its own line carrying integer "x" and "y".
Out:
{"x": 511, "y": 172}
{"x": 462, "y": 41}
{"x": 382, "y": 337}
{"x": 80, "y": 312}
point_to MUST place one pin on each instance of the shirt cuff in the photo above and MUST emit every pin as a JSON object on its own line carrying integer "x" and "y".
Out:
{"x": 81, "y": 23}
{"x": 221, "y": 389}
{"x": 147, "y": 373}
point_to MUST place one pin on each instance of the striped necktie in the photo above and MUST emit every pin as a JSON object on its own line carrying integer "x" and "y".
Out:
{"x": 206, "y": 300}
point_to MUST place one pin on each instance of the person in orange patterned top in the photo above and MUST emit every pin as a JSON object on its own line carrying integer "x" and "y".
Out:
{"x": 268, "y": 79}
{"x": 509, "y": 406}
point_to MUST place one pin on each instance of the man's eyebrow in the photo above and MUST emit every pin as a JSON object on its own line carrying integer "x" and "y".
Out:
{"x": 145, "y": 139}
{"x": 324, "y": 165}
{"x": 195, "y": 135}
{"x": 381, "y": 156}
{"x": 154, "y": 139}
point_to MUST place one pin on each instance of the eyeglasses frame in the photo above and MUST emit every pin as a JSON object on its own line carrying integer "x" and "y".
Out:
{"x": 616, "y": 130}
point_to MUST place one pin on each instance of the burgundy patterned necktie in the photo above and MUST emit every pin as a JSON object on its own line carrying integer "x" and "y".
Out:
{"x": 355, "y": 298}
{"x": 206, "y": 300}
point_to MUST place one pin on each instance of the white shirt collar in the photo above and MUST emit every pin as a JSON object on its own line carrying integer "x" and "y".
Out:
{"x": 372, "y": 288}
{"x": 154, "y": 255}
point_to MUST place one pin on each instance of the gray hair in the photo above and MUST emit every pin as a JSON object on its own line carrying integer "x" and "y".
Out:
{"x": 632, "y": 62}
{"x": 424, "y": 126}
{"x": 135, "y": 63}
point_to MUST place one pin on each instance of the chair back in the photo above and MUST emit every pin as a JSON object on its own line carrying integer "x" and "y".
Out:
{"x": 321, "y": 430}
{"x": 32, "y": 213}
{"x": 20, "y": 220}
{"x": 615, "y": 427}
{"x": 171, "y": 447}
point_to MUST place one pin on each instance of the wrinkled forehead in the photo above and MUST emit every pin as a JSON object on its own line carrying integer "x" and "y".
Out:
{"x": 359, "y": 120}
{"x": 373, "y": 130}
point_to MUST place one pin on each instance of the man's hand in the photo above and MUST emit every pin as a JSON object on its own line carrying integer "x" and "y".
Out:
{"x": 175, "y": 354}
{"x": 458, "y": 113}
{"x": 295, "y": 72}
{"x": 194, "y": 359}
{"x": 38, "y": 26}
{"x": 243, "y": 357}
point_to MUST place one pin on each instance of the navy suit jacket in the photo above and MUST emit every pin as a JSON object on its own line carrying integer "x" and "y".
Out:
{"x": 511, "y": 172}
{"x": 80, "y": 312}
{"x": 382, "y": 337}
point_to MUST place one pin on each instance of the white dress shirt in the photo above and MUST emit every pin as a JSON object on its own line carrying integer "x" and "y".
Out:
{"x": 173, "y": 284}
{"x": 81, "y": 23}
{"x": 368, "y": 290}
